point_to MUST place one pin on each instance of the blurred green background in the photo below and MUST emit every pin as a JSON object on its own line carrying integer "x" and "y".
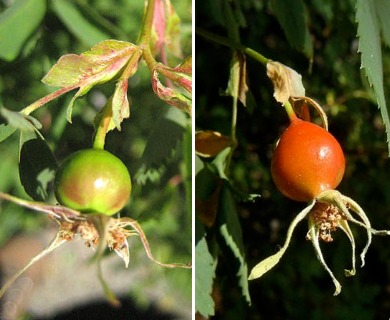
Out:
{"x": 298, "y": 288}
{"x": 155, "y": 142}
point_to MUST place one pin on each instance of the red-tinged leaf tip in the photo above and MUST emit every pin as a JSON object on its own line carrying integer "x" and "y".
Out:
{"x": 173, "y": 30}
{"x": 66, "y": 72}
{"x": 159, "y": 24}
{"x": 170, "y": 95}
{"x": 180, "y": 75}
{"x": 120, "y": 103}
{"x": 166, "y": 30}
{"x": 98, "y": 65}
{"x": 185, "y": 66}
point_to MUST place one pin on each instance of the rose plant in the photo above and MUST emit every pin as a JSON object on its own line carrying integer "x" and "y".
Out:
{"x": 237, "y": 127}
{"x": 92, "y": 186}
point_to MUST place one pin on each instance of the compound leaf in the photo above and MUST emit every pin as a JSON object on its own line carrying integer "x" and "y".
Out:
{"x": 291, "y": 16}
{"x": 371, "y": 54}
{"x": 17, "y": 23}
{"x": 100, "y": 64}
{"x": 79, "y": 25}
{"x": 37, "y": 167}
{"x": 205, "y": 273}
{"x": 230, "y": 229}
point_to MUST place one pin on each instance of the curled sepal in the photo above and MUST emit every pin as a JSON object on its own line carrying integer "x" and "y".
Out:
{"x": 344, "y": 204}
{"x": 270, "y": 262}
{"x": 54, "y": 211}
{"x": 124, "y": 253}
{"x": 137, "y": 228}
{"x": 313, "y": 235}
{"x": 302, "y": 103}
{"x": 347, "y": 230}
{"x": 117, "y": 235}
{"x": 61, "y": 237}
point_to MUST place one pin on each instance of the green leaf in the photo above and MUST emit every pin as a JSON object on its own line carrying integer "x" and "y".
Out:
{"x": 371, "y": 55}
{"x": 161, "y": 145}
{"x": 37, "y": 167}
{"x": 17, "y": 24}
{"x": 230, "y": 229}
{"x": 78, "y": 24}
{"x": 204, "y": 275}
{"x": 199, "y": 165}
{"x": 19, "y": 121}
{"x": 383, "y": 11}
{"x": 218, "y": 167}
{"x": 291, "y": 16}
{"x": 6, "y": 131}
{"x": 100, "y": 64}
{"x": 220, "y": 162}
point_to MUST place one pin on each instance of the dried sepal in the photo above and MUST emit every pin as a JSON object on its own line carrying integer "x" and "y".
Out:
{"x": 117, "y": 239}
{"x": 303, "y": 102}
{"x": 328, "y": 212}
{"x": 54, "y": 211}
{"x": 61, "y": 237}
{"x": 287, "y": 82}
{"x": 97, "y": 231}
{"x": 345, "y": 204}
{"x": 340, "y": 205}
{"x": 270, "y": 262}
{"x": 314, "y": 237}
{"x": 347, "y": 230}
{"x": 137, "y": 228}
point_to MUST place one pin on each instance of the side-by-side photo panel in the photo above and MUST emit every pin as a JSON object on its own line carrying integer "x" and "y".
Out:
{"x": 96, "y": 159}
{"x": 291, "y": 160}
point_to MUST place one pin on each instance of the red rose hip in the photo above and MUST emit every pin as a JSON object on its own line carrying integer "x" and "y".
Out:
{"x": 307, "y": 161}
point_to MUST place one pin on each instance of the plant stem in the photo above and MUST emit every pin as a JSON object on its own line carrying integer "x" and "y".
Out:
{"x": 147, "y": 24}
{"x": 144, "y": 45}
{"x": 290, "y": 111}
{"x": 101, "y": 131}
{"x": 232, "y": 44}
{"x": 233, "y": 35}
{"x": 144, "y": 40}
{"x": 51, "y": 96}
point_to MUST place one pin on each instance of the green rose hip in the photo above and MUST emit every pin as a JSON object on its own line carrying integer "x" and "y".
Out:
{"x": 93, "y": 181}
